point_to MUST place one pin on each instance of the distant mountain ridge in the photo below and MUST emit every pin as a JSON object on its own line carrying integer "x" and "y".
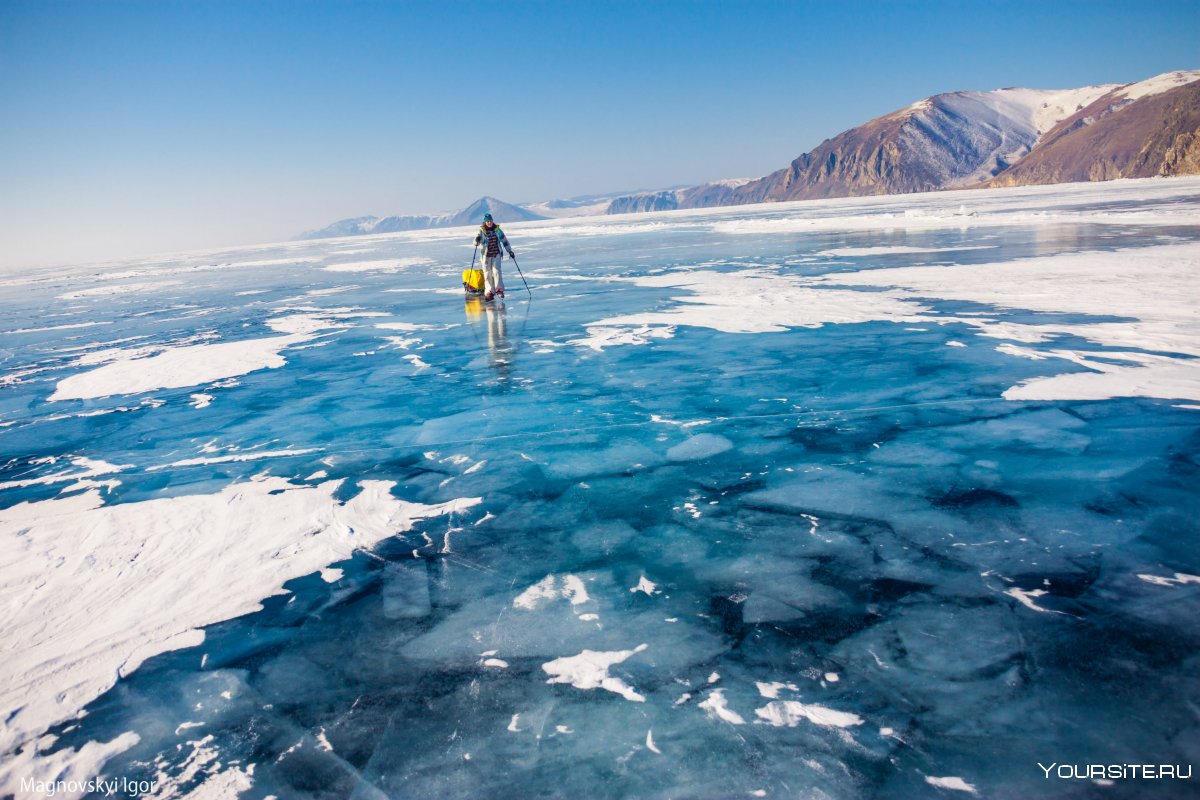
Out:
{"x": 471, "y": 215}
{"x": 956, "y": 140}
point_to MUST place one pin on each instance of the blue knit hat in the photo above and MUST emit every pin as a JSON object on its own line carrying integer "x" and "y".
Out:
{"x": 487, "y": 217}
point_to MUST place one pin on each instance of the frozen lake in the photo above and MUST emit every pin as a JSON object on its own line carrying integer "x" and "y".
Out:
{"x": 880, "y": 497}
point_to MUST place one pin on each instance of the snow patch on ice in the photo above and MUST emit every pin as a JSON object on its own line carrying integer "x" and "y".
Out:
{"x": 176, "y": 367}
{"x": 601, "y": 336}
{"x": 87, "y": 468}
{"x": 953, "y": 783}
{"x": 747, "y": 301}
{"x": 417, "y": 361}
{"x": 123, "y": 585}
{"x": 645, "y": 585}
{"x": 589, "y": 670}
{"x": 403, "y": 326}
{"x": 549, "y": 589}
{"x": 1180, "y": 579}
{"x": 790, "y": 713}
{"x": 203, "y": 762}
{"x": 718, "y": 708}
{"x": 1152, "y": 286}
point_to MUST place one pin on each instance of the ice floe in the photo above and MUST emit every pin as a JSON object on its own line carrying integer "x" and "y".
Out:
{"x": 126, "y": 582}
{"x": 136, "y": 372}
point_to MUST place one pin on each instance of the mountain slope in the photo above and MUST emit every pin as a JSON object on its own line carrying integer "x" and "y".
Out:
{"x": 946, "y": 141}
{"x": 500, "y": 210}
{"x": 1141, "y": 130}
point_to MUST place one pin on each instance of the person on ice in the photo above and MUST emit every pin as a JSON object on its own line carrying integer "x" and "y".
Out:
{"x": 492, "y": 239}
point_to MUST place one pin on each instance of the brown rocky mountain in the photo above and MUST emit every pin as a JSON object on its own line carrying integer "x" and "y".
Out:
{"x": 866, "y": 160}
{"x": 973, "y": 139}
{"x": 1117, "y": 137}
{"x": 946, "y": 141}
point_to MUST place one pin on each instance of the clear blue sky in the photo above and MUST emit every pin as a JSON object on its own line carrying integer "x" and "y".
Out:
{"x": 129, "y": 128}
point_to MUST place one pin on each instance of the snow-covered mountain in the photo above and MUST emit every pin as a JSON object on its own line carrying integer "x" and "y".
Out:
{"x": 970, "y": 139}
{"x": 947, "y": 141}
{"x": 956, "y": 140}
{"x": 1141, "y": 130}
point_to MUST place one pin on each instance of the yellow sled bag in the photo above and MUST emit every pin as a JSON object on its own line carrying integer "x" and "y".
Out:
{"x": 472, "y": 280}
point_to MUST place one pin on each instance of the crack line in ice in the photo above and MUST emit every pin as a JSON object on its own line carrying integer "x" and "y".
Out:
{"x": 1026, "y": 599}
{"x": 194, "y": 462}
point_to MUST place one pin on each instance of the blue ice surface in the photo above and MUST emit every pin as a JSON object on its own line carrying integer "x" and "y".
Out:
{"x": 858, "y": 502}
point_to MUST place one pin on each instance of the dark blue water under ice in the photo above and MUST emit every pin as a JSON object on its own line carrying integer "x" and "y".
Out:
{"x": 859, "y": 503}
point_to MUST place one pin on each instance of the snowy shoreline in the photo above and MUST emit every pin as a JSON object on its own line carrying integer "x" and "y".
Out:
{"x": 1151, "y": 289}
{"x": 945, "y": 209}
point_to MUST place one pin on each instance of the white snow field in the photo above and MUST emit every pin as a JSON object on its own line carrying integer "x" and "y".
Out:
{"x": 867, "y": 497}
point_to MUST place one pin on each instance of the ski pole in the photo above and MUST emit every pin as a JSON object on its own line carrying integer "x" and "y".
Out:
{"x": 472, "y": 269}
{"x": 514, "y": 258}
